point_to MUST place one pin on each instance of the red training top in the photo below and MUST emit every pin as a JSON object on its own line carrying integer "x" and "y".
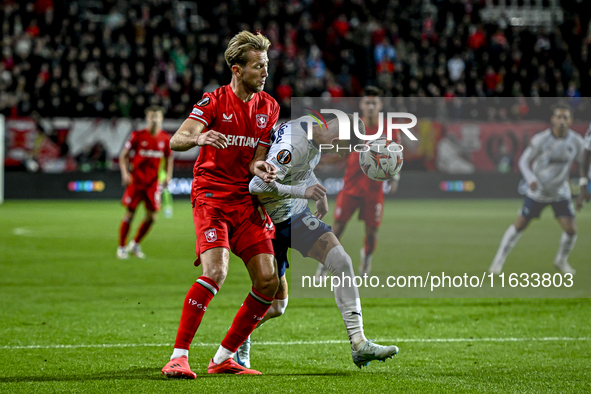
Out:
{"x": 223, "y": 174}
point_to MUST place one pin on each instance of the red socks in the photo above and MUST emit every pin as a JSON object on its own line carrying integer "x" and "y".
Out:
{"x": 143, "y": 230}
{"x": 250, "y": 313}
{"x": 123, "y": 230}
{"x": 196, "y": 302}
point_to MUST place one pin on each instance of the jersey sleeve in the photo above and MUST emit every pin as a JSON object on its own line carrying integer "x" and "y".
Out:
{"x": 281, "y": 156}
{"x": 131, "y": 143}
{"x": 265, "y": 139}
{"x": 205, "y": 110}
{"x": 587, "y": 139}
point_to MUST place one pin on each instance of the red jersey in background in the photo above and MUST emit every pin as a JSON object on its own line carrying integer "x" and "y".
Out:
{"x": 223, "y": 174}
{"x": 149, "y": 151}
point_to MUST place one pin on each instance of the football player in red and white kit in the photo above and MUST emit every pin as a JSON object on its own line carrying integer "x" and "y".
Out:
{"x": 361, "y": 192}
{"x": 150, "y": 146}
{"x": 232, "y": 125}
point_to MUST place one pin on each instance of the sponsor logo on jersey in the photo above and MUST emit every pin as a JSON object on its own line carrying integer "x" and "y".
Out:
{"x": 203, "y": 102}
{"x": 241, "y": 140}
{"x": 227, "y": 118}
{"x": 161, "y": 145}
{"x": 211, "y": 235}
{"x": 284, "y": 156}
{"x": 197, "y": 111}
{"x": 262, "y": 120}
{"x": 151, "y": 153}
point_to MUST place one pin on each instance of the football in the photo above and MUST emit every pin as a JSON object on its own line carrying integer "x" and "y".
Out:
{"x": 381, "y": 159}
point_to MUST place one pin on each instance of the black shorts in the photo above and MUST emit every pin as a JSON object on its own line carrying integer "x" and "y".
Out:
{"x": 531, "y": 209}
{"x": 300, "y": 233}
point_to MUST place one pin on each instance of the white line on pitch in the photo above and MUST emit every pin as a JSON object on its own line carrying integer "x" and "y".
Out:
{"x": 292, "y": 343}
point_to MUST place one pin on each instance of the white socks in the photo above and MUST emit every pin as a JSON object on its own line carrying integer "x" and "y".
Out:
{"x": 346, "y": 295}
{"x": 277, "y": 309}
{"x": 179, "y": 352}
{"x": 222, "y": 355}
{"x": 508, "y": 241}
{"x": 567, "y": 242}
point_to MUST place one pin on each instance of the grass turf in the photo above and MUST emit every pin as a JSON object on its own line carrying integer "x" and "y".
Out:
{"x": 73, "y": 318}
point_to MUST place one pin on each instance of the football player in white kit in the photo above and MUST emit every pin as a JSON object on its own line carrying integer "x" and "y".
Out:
{"x": 286, "y": 201}
{"x": 551, "y": 154}
{"x": 585, "y": 194}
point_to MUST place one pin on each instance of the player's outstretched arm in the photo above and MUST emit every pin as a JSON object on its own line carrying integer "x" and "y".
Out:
{"x": 260, "y": 168}
{"x": 169, "y": 169}
{"x": 275, "y": 189}
{"x": 124, "y": 167}
{"x": 191, "y": 134}
{"x": 526, "y": 171}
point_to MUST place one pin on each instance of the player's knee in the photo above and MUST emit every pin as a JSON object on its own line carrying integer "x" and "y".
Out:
{"x": 337, "y": 260}
{"x": 215, "y": 273}
{"x": 267, "y": 284}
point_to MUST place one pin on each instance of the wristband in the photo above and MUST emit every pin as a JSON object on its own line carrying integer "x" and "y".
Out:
{"x": 583, "y": 181}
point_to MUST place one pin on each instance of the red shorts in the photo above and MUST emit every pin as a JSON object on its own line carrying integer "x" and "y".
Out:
{"x": 245, "y": 229}
{"x": 370, "y": 208}
{"x": 135, "y": 193}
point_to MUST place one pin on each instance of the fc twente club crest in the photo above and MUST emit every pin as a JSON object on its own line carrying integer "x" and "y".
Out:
{"x": 211, "y": 235}
{"x": 262, "y": 121}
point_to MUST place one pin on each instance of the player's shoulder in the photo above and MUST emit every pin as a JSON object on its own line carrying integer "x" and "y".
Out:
{"x": 214, "y": 96}
{"x": 163, "y": 135}
{"x": 576, "y": 136}
{"x": 542, "y": 135}
{"x": 138, "y": 134}
{"x": 266, "y": 97}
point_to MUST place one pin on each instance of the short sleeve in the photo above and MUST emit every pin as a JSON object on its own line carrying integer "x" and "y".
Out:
{"x": 265, "y": 139}
{"x": 131, "y": 143}
{"x": 204, "y": 110}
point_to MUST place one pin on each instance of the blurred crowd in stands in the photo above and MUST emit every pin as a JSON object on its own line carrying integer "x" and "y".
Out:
{"x": 112, "y": 58}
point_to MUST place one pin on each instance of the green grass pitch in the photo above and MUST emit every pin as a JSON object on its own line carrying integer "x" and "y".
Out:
{"x": 73, "y": 318}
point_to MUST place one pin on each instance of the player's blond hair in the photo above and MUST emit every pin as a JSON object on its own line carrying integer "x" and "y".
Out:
{"x": 241, "y": 44}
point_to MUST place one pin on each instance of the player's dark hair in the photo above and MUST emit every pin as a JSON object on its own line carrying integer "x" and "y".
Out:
{"x": 372, "y": 91}
{"x": 154, "y": 108}
{"x": 562, "y": 106}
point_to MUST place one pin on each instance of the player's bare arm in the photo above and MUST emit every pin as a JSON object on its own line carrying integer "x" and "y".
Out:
{"x": 191, "y": 134}
{"x": 584, "y": 195}
{"x": 259, "y": 167}
{"x": 124, "y": 167}
{"x": 169, "y": 169}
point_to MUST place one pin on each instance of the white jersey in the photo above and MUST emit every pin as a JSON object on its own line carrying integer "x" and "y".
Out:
{"x": 295, "y": 158}
{"x": 551, "y": 159}
{"x": 588, "y": 138}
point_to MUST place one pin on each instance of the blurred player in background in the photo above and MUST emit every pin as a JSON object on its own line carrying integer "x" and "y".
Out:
{"x": 585, "y": 195}
{"x": 286, "y": 200}
{"x": 150, "y": 147}
{"x": 361, "y": 192}
{"x": 232, "y": 125}
{"x": 551, "y": 154}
